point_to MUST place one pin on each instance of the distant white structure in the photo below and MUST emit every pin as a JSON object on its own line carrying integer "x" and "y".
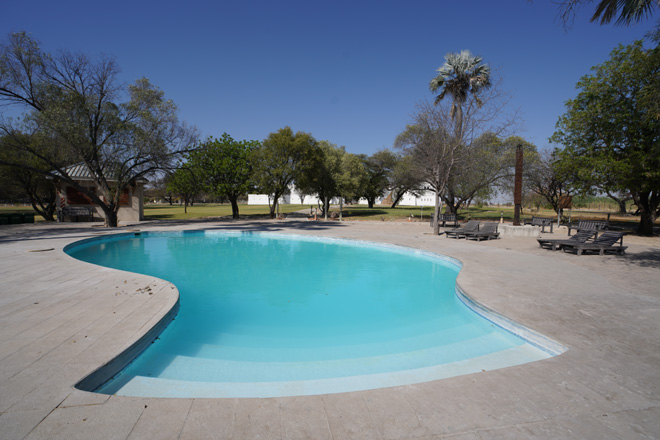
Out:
{"x": 295, "y": 198}
{"x": 424, "y": 199}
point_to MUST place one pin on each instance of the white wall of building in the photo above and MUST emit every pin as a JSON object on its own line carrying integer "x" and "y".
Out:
{"x": 426, "y": 198}
{"x": 293, "y": 198}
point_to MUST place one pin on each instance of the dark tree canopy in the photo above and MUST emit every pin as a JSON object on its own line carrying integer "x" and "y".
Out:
{"x": 404, "y": 178}
{"x": 185, "y": 183}
{"x": 283, "y": 158}
{"x": 223, "y": 168}
{"x": 25, "y": 181}
{"x": 543, "y": 176}
{"x": 379, "y": 168}
{"x": 77, "y": 104}
{"x": 611, "y": 130}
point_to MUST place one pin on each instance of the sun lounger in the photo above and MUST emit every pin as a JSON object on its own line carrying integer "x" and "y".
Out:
{"x": 590, "y": 225}
{"x": 445, "y": 219}
{"x": 542, "y": 222}
{"x": 470, "y": 226}
{"x": 606, "y": 243}
{"x": 485, "y": 231}
{"x": 554, "y": 244}
{"x": 75, "y": 213}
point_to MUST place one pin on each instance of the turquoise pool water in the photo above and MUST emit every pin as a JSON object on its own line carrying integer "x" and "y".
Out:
{"x": 270, "y": 315}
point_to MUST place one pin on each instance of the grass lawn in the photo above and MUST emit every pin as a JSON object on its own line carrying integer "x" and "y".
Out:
{"x": 20, "y": 209}
{"x": 351, "y": 212}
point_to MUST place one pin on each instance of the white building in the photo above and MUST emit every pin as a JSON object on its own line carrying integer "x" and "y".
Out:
{"x": 295, "y": 198}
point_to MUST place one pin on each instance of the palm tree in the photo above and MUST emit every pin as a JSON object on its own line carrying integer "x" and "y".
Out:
{"x": 628, "y": 11}
{"x": 461, "y": 75}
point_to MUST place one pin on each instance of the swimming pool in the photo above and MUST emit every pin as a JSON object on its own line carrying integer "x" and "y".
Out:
{"x": 266, "y": 315}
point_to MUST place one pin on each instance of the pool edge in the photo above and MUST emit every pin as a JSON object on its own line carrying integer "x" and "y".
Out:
{"x": 529, "y": 335}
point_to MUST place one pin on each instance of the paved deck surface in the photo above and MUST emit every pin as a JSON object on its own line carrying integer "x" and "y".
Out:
{"x": 61, "y": 318}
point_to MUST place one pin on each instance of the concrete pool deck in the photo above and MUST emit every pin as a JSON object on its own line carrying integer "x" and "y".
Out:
{"x": 60, "y": 319}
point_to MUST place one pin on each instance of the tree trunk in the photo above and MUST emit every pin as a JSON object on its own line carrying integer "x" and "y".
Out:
{"x": 371, "y": 201}
{"x": 274, "y": 205}
{"x": 47, "y": 212}
{"x": 44, "y": 206}
{"x": 647, "y": 204}
{"x": 234, "y": 207}
{"x": 436, "y": 217}
{"x": 111, "y": 217}
{"x": 622, "y": 207}
{"x": 185, "y": 205}
{"x": 620, "y": 202}
{"x": 341, "y": 207}
{"x": 396, "y": 199}
{"x": 452, "y": 206}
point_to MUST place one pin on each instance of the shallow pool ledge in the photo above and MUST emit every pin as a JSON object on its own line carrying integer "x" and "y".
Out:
{"x": 533, "y": 337}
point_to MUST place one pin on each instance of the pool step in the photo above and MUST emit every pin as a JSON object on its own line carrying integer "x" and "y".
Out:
{"x": 227, "y": 370}
{"x": 140, "y": 386}
{"x": 250, "y": 348}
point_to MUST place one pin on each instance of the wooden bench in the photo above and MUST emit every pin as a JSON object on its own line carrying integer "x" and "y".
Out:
{"x": 446, "y": 219}
{"x": 588, "y": 225}
{"x": 75, "y": 212}
{"x": 541, "y": 221}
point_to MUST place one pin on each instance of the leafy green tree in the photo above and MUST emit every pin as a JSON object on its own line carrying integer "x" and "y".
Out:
{"x": 224, "y": 168}
{"x": 591, "y": 183}
{"x": 610, "y": 131}
{"x": 318, "y": 175}
{"x": 73, "y": 102}
{"x": 462, "y": 75}
{"x": 404, "y": 178}
{"x": 185, "y": 183}
{"x": 433, "y": 149}
{"x": 379, "y": 168}
{"x": 543, "y": 176}
{"x": 351, "y": 178}
{"x": 487, "y": 167}
{"x": 282, "y": 158}
{"x": 333, "y": 173}
{"x": 486, "y": 162}
{"x": 438, "y": 155}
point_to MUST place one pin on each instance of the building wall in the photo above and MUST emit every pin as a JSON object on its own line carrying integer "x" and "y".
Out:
{"x": 409, "y": 199}
{"x": 131, "y": 205}
{"x": 293, "y": 198}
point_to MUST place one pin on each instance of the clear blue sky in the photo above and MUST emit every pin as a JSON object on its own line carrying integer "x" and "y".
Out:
{"x": 349, "y": 72}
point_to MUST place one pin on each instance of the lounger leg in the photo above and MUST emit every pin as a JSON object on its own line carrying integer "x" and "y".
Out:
{"x": 579, "y": 252}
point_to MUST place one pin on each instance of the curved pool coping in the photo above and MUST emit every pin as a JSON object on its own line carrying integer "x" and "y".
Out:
{"x": 181, "y": 389}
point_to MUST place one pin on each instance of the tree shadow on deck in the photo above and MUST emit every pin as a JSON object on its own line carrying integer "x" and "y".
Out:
{"x": 649, "y": 258}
